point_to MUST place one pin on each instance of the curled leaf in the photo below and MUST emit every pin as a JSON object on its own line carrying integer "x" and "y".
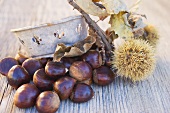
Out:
{"x": 77, "y": 49}
{"x": 93, "y": 34}
{"x": 127, "y": 25}
{"x": 135, "y": 6}
{"x": 114, "y": 6}
{"x": 119, "y": 26}
{"x": 89, "y": 7}
{"x": 134, "y": 20}
{"x": 111, "y": 36}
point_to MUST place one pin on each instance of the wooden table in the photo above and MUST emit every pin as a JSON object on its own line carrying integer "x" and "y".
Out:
{"x": 149, "y": 96}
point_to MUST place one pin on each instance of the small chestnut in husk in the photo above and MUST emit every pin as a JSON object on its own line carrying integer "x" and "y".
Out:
{"x": 55, "y": 69}
{"x": 94, "y": 58}
{"x": 64, "y": 87}
{"x": 47, "y": 102}
{"x": 6, "y": 64}
{"x": 80, "y": 70}
{"x": 103, "y": 75}
{"x": 20, "y": 58}
{"x": 67, "y": 61}
{"x": 17, "y": 76}
{"x": 26, "y": 95}
{"x": 81, "y": 93}
{"x": 32, "y": 65}
{"x": 42, "y": 81}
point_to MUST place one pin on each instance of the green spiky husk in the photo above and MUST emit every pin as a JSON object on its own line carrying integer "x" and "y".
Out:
{"x": 134, "y": 59}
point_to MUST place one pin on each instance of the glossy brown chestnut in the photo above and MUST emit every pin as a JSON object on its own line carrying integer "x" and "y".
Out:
{"x": 108, "y": 60}
{"x": 17, "y": 76}
{"x": 42, "y": 81}
{"x": 55, "y": 69}
{"x": 81, "y": 93}
{"x": 47, "y": 102}
{"x": 26, "y": 95}
{"x": 103, "y": 75}
{"x": 64, "y": 87}
{"x": 80, "y": 70}
{"x": 67, "y": 61}
{"x": 6, "y": 64}
{"x": 88, "y": 81}
{"x": 43, "y": 61}
{"x": 94, "y": 58}
{"x": 32, "y": 65}
{"x": 20, "y": 58}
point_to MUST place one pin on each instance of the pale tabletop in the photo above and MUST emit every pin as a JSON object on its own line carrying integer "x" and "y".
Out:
{"x": 149, "y": 96}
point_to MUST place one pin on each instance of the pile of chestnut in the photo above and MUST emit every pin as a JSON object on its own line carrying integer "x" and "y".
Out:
{"x": 43, "y": 82}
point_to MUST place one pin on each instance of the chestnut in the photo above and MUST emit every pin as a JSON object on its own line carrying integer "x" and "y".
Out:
{"x": 17, "y": 76}
{"x": 42, "y": 81}
{"x": 32, "y": 65}
{"x": 64, "y": 87}
{"x": 80, "y": 70}
{"x": 43, "y": 61}
{"x": 103, "y": 75}
{"x": 6, "y": 64}
{"x": 88, "y": 81}
{"x": 94, "y": 58}
{"x": 26, "y": 95}
{"x": 108, "y": 60}
{"x": 47, "y": 102}
{"x": 55, "y": 69}
{"x": 20, "y": 58}
{"x": 67, "y": 61}
{"x": 81, "y": 93}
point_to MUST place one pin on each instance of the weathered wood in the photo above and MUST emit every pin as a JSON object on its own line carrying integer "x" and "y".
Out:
{"x": 150, "y": 96}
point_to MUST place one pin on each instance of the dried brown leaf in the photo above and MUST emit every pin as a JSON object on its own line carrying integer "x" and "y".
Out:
{"x": 89, "y": 7}
{"x": 114, "y": 6}
{"x": 127, "y": 25}
{"x": 98, "y": 40}
{"x": 119, "y": 26}
{"x": 77, "y": 49}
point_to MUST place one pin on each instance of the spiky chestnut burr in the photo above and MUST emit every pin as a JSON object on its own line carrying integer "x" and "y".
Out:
{"x": 151, "y": 35}
{"x": 134, "y": 59}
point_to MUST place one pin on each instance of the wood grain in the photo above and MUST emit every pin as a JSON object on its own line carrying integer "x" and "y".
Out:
{"x": 150, "y": 96}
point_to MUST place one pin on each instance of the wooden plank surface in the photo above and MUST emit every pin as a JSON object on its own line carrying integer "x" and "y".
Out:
{"x": 150, "y": 96}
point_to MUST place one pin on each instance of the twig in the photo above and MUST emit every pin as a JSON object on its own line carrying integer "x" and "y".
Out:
{"x": 92, "y": 24}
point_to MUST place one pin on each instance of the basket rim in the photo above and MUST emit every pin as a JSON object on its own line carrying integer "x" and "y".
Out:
{"x": 63, "y": 20}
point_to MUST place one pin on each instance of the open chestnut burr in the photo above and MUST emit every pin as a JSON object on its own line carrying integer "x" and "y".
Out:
{"x": 81, "y": 93}
{"x": 80, "y": 70}
{"x": 32, "y": 65}
{"x": 64, "y": 87}
{"x": 42, "y": 81}
{"x": 6, "y": 64}
{"x": 26, "y": 95}
{"x": 94, "y": 58}
{"x": 47, "y": 102}
{"x": 55, "y": 70}
{"x": 103, "y": 75}
{"x": 17, "y": 76}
